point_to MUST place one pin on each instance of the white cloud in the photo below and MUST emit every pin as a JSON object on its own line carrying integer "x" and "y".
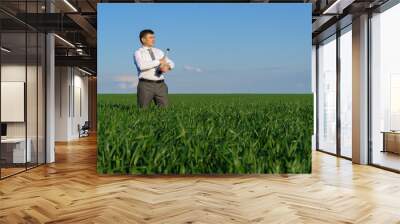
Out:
{"x": 192, "y": 69}
{"x": 126, "y": 81}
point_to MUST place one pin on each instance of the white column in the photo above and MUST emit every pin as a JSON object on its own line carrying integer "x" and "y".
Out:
{"x": 50, "y": 92}
{"x": 360, "y": 90}
{"x": 50, "y": 100}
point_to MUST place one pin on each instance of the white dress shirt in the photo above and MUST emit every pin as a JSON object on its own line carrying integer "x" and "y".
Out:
{"x": 146, "y": 67}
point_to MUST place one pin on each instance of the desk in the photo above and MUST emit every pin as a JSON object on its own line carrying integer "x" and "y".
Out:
{"x": 391, "y": 141}
{"x": 16, "y": 147}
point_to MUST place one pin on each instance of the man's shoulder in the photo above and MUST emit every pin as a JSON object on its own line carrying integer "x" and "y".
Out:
{"x": 140, "y": 49}
{"x": 160, "y": 52}
{"x": 157, "y": 49}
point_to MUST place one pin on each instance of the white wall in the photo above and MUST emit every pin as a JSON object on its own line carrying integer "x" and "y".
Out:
{"x": 9, "y": 73}
{"x": 80, "y": 89}
{"x": 62, "y": 83}
{"x": 33, "y": 127}
{"x": 17, "y": 72}
{"x": 70, "y": 83}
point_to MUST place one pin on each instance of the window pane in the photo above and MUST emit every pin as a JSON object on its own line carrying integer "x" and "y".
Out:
{"x": 14, "y": 153}
{"x": 346, "y": 92}
{"x": 31, "y": 97}
{"x": 386, "y": 89}
{"x": 41, "y": 98}
{"x": 327, "y": 95}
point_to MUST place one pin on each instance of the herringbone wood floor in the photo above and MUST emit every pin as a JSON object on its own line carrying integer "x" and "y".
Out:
{"x": 70, "y": 191}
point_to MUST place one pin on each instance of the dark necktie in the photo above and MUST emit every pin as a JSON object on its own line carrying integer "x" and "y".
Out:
{"x": 151, "y": 54}
{"x": 158, "y": 73}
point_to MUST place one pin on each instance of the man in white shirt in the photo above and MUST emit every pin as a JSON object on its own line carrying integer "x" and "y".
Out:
{"x": 151, "y": 64}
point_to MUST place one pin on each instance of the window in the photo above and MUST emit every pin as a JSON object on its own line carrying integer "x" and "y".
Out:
{"x": 327, "y": 95}
{"x": 346, "y": 92}
{"x": 385, "y": 89}
{"x": 22, "y": 86}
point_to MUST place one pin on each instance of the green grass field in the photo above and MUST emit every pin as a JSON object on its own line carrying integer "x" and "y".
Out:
{"x": 206, "y": 134}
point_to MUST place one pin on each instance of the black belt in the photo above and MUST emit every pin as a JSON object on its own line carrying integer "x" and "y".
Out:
{"x": 154, "y": 81}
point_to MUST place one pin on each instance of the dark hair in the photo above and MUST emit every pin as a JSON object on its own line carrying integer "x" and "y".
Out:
{"x": 144, "y": 33}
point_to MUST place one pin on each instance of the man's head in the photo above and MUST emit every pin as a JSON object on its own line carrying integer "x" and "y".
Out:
{"x": 147, "y": 38}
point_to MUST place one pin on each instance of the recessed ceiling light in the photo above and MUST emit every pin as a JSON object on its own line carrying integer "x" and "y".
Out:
{"x": 5, "y": 50}
{"x": 338, "y": 6}
{"x": 64, "y": 40}
{"x": 70, "y": 5}
{"x": 84, "y": 71}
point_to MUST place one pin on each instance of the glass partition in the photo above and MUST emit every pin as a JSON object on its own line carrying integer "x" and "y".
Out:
{"x": 385, "y": 89}
{"x": 14, "y": 153}
{"x": 41, "y": 107}
{"x": 31, "y": 99}
{"x": 22, "y": 88}
{"x": 327, "y": 95}
{"x": 346, "y": 92}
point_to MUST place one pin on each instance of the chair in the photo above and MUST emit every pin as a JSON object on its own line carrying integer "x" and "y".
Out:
{"x": 84, "y": 130}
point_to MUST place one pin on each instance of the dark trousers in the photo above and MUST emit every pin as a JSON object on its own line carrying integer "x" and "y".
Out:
{"x": 152, "y": 91}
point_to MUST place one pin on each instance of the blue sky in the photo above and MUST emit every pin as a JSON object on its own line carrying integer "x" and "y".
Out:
{"x": 217, "y": 48}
